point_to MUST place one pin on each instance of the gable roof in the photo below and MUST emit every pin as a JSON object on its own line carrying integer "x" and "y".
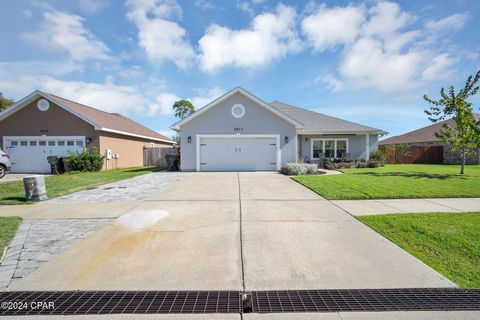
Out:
{"x": 176, "y": 126}
{"x": 101, "y": 120}
{"x": 321, "y": 123}
{"x": 425, "y": 134}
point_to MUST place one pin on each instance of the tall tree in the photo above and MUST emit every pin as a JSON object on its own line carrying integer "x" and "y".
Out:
{"x": 5, "y": 103}
{"x": 183, "y": 108}
{"x": 463, "y": 138}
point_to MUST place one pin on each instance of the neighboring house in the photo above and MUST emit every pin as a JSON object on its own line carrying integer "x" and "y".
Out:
{"x": 42, "y": 124}
{"x": 239, "y": 131}
{"x": 424, "y": 147}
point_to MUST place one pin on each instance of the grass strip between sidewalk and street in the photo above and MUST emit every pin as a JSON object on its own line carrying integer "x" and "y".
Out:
{"x": 8, "y": 228}
{"x": 59, "y": 185}
{"x": 447, "y": 242}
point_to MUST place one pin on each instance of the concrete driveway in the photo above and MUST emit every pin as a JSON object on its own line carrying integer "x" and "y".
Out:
{"x": 229, "y": 231}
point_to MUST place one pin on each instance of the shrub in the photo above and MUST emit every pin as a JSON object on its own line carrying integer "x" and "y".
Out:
{"x": 298, "y": 169}
{"x": 379, "y": 156}
{"x": 373, "y": 164}
{"x": 87, "y": 161}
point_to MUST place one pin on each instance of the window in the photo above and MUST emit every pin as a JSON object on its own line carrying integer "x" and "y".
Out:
{"x": 13, "y": 143}
{"x": 70, "y": 143}
{"x": 79, "y": 143}
{"x": 60, "y": 143}
{"x": 23, "y": 143}
{"x": 331, "y": 148}
{"x": 33, "y": 143}
{"x": 317, "y": 148}
{"x": 51, "y": 143}
{"x": 42, "y": 143}
{"x": 341, "y": 148}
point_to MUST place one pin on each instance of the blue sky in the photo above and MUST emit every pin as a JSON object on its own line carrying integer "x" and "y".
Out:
{"x": 364, "y": 61}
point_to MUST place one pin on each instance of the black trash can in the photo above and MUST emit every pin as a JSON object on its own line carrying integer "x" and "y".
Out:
{"x": 62, "y": 165}
{"x": 173, "y": 161}
{"x": 53, "y": 161}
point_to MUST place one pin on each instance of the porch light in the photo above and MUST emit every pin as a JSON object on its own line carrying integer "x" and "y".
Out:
{"x": 286, "y": 139}
{"x": 88, "y": 140}
{"x": 189, "y": 139}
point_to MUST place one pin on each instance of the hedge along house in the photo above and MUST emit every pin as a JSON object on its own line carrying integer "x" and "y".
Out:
{"x": 43, "y": 124}
{"x": 240, "y": 132}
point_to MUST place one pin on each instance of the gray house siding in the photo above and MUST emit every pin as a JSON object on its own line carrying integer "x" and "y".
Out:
{"x": 356, "y": 144}
{"x": 219, "y": 120}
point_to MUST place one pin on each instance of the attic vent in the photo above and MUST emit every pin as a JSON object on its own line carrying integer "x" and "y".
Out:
{"x": 238, "y": 110}
{"x": 43, "y": 105}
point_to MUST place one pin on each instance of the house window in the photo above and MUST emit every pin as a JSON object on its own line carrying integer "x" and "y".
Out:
{"x": 23, "y": 143}
{"x": 60, "y": 143}
{"x": 341, "y": 147}
{"x": 51, "y": 143}
{"x": 13, "y": 143}
{"x": 331, "y": 148}
{"x": 79, "y": 143}
{"x": 70, "y": 143}
{"x": 317, "y": 148}
{"x": 33, "y": 143}
{"x": 42, "y": 143}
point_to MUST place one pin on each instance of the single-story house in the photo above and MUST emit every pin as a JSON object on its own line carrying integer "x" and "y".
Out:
{"x": 43, "y": 124}
{"x": 239, "y": 131}
{"x": 424, "y": 147}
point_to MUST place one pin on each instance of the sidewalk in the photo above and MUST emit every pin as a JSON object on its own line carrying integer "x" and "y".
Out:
{"x": 375, "y": 207}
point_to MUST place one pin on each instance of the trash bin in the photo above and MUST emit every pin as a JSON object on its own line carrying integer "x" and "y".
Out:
{"x": 35, "y": 189}
{"x": 62, "y": 165}
{"x": 53, "y": 160}
{"x": 173, "y": 161}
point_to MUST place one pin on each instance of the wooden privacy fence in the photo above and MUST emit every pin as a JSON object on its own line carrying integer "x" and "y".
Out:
{"x": 156, "y": 156}
{"x": 413, "y": 154}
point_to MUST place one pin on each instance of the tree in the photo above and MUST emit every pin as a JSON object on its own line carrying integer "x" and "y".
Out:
{"x": 183, "y": 108}
{"x": 5, "y": 103}
{"x": 464, "y": 138}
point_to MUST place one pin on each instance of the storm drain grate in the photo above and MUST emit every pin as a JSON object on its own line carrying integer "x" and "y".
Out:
{"x": 109, "y": 302}
{"x": 365, "y": 300}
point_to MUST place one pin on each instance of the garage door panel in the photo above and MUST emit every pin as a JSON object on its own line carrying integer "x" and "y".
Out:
{"x": 238, "y": 154}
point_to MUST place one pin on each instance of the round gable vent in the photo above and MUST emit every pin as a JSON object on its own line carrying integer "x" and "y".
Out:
{"x": 238, "y": 110}
{"x": 43, "y": 105}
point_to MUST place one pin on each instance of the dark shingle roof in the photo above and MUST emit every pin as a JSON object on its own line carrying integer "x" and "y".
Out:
{"x": 314, "y": 121}
{"x": 108, "y": 120}
{"x": 425, "y": 134}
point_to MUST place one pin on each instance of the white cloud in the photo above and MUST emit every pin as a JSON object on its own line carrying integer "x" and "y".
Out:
{"x": 161, "y": 38}
{"x": 65, "y": 32}
{"x": 327, "y": 28}
{"x": 439, "y": 68}
{"x": 456, "y": 22}
{"x": 163, "y": 104}
{"x": 92, "y": 6}
{"x": 205, "y": 96}
{"x": 204, "y": 4}
{"x": 380, "y": 49}
{"x": 271, "y": 36}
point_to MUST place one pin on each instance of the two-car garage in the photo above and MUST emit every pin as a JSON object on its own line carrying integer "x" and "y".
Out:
{"x": 232, "y": 152}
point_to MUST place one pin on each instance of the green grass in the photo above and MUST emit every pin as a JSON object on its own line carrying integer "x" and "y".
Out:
{"x": 397, "y": 181}
{"x": 13, "y": 192}
{"x": 447, "y": 242}
{"x": 8, "y": 227}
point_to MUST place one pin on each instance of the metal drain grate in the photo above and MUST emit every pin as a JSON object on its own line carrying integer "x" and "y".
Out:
{"x": 109, "y": 302}
{"x": 365, "y": 300}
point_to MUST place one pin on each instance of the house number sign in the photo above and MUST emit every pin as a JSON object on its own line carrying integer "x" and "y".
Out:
{"x": 237, "y": 129}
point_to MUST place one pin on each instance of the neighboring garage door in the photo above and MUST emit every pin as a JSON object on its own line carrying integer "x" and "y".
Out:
{"x": 237, "y": 153}
{"x": 29, "y": 154}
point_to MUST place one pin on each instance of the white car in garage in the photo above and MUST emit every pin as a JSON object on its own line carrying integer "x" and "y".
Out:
{"x": 5, "y": 163}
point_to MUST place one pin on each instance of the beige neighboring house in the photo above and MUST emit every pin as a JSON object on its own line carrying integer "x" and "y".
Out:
{"x": 43, "y": 124}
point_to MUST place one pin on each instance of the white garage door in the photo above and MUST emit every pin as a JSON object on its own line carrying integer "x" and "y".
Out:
{"x": 29, "y": 154}
{"x": 238, "y": 153}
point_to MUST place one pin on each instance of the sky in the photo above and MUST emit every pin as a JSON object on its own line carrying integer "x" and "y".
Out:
{"x": 369, "y": 62}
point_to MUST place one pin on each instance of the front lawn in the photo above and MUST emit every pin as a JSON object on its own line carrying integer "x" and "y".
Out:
{"x": 397, "y": 181}
{"x": 447, "y": 242}
{"x": 13, "y": 192}
{"x": 8, "y": 227}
